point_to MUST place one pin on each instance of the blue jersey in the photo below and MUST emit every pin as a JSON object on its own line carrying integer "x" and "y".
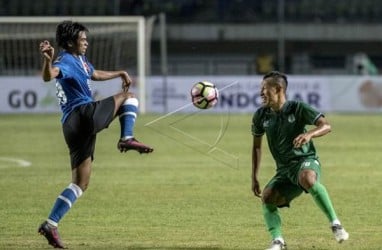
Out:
{"x": 73, "y": 82}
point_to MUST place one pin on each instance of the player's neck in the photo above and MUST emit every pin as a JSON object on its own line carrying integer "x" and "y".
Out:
{"x": 73, "y": 52}
{"x": 278, "y": 105}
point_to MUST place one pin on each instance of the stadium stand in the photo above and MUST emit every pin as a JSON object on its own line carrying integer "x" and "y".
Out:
{"x": 230, "y": 11}
{"x": 224, "y": 56}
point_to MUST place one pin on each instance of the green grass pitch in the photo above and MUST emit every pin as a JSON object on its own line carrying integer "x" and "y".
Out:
{"x": 193, "y": 192}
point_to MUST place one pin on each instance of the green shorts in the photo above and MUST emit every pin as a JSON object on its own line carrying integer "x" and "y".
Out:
{"x": 286, "y": 179}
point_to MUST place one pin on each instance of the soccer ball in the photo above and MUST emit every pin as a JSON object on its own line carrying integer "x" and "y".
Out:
{"x": 204, "y": 95}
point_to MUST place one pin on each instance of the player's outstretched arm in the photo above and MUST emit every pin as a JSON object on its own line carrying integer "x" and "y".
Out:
{"x": 48, "y": 72}
{"x": 101, "y": 75}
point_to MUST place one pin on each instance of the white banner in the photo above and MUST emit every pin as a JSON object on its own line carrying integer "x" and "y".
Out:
{"x": 357, "y": 94}
{"x": 27, "y": 94}
{"x": 33, "y": 95}
{"x": 238, "y": 94}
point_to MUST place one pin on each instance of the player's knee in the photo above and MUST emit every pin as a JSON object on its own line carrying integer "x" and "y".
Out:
{"x": 131, "y": 101}
{"x": 307, "y": 178}
{"x": 273, "y": 197}
{"x": 267, "y": 199}
{"x": 269, "y": 196}
{"x": 128, "y": 95}
{"x": 122, "y": 97}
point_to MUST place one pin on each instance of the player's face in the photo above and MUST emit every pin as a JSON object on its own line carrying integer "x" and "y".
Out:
{"x": 82, "y": 43}
{"x": 269, "y": 94}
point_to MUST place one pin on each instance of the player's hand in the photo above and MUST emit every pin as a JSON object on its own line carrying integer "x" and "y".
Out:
{"x": 301, "y": 140}
{"x": 47, "y": 50}
{"x": 126, "y": 81}
{"x": 256, "y": 188}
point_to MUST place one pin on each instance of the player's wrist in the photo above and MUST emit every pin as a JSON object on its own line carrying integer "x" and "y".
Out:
{"x": 47, "y": 59}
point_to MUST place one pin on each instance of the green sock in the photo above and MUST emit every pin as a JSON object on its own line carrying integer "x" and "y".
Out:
{"x": 322, "y": 199}
{"x": 272, "y": 220}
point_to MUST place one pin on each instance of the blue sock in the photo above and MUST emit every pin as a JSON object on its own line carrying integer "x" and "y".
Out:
{"x": 127, "y": 115}
{"x": 63, "y": 203}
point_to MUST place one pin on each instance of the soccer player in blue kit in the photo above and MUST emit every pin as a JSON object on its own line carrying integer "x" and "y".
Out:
{"x": 297, "y": 166}
{"x": 83, "y": 117}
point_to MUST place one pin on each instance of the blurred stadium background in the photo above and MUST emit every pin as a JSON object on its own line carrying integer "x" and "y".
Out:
{"x": 236, "y": 37}
{"x": 160, "y": 43}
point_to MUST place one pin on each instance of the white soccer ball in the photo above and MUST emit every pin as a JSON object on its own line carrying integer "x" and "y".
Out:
{"x": 204, "y": 95}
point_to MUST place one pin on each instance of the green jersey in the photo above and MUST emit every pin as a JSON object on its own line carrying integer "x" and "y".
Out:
{"x": 283, "y": 127}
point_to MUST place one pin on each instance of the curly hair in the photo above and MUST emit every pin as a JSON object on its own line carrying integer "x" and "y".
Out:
{"x": 67, "y": 32}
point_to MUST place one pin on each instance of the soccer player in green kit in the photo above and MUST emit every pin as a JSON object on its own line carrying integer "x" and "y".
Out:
{"x": 297, "y": 166}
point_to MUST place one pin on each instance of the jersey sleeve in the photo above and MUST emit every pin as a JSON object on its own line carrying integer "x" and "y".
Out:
{"x": 257, "y": 124}
{"x": 64, "y": 68}
{"x": 309, "y": 114}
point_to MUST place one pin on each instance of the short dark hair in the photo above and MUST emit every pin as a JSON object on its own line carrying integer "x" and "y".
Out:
{"x": 67, "y": 32}
{"x": 277, "y": 78}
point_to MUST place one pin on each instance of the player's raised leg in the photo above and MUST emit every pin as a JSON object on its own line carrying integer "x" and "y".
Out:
{"x": 127, "y": 113}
